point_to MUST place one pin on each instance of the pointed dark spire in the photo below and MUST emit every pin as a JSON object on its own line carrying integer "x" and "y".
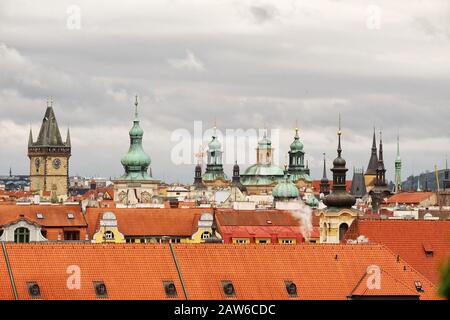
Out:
{"x": 324, "y": 183}
{"x": 373, "y": 162}
{"x": 68, "y": 143}
{"x": 30, "y": 139}
{"x": 339, "y": 149}
{"x": 324, "y": 176}
{"x": 49, "y": 134}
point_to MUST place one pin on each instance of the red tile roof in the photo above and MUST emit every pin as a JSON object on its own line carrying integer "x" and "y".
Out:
{"x": 319, "y": 271}
{"x": 409, "y": 239}
{"x": 409, "y": 197}
{"x": 229, "y": 217}
{"x": 54, "y": 215}
{"x": 149, "y": 221}
{"x": 137, "y": 271}
{"x": 128, "y": 271}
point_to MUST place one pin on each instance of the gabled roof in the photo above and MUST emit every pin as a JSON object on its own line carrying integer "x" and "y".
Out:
{"x": 410, "y": 197}
{"x": 408, "y": 239}
{"x": 149, "y": 221}
{"x": 53, "y": 215}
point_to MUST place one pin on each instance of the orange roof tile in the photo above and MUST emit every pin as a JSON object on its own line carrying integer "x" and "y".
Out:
{"x": 54, "y": 215}
{"x": 255, "y": 218}
{"x": 128, "y": 271}
{"x": 409, "y": 239}
{"x": 409, "y": 197}
{"x": 319, "y": 271}
{"x": 137, "y": 271}
{"x": 149, "y": 221}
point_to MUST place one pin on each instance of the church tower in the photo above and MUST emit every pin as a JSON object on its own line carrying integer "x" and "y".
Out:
{"x": 135, "y": 187}
{"x": 339, "y": 214}
{"x": 380, "y": 190}
{"x": 398, "y": 169}
{"x": 49, "y": 158}
{"x": 214, "y": 175}
{"x": 299, "y": 174}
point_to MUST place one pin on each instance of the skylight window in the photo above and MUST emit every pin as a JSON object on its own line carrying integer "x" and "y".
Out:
{"x": 70, "y": 215}
{"x": 39, "y": 215}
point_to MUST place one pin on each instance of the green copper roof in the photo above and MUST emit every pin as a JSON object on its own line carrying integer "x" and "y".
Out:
{"x": 312, "y": 201}
{"x": 285, "y": 190}
{"x": 136, "y": 161}
{"x": 296, "y": 145}
{"x": 300, "y": 176}
{"x": 263, "y": 170}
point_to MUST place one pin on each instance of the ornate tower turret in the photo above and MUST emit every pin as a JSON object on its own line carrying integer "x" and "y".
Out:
{"x": 135, "y": 186}
{"x": 214, "y": 174}
{"x": 324, "y": 183}
{"x": 299, "y": 174}
{"x": 381, "y": 190}
{"x": 339, "y": 196}
{"x": 49, "y": 157}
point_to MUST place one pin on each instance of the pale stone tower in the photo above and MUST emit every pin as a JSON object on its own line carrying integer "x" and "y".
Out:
{"x": 49, "y": 158}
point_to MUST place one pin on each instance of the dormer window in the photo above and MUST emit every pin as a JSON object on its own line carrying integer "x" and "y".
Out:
{"x": 428, "y": 248}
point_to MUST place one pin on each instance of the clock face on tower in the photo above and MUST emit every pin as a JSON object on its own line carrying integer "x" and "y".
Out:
{"x": 56, "y": 163}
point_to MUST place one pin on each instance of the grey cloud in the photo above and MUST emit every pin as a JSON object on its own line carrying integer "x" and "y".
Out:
{"x": 253, "y": 75}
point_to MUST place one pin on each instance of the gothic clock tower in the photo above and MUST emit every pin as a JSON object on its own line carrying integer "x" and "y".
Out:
{"x": 49, "y": 158}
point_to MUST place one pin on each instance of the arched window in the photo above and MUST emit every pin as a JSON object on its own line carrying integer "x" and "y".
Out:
{"x": 342, "y": 230}
{"x": 21, "y": 235}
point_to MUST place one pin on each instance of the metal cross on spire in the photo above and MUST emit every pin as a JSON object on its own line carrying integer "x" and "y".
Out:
{"x": 136, "y": 106}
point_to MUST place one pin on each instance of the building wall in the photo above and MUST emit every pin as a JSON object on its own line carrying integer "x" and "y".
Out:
{"x": 46, "y": 177}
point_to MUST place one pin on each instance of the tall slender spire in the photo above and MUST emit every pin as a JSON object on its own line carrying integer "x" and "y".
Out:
{"x": 30, "y": 138}
{"x": 373, "y": 162}
{"x": 398, "y": 168}
{"x": 324, "y": 176}
{"x": 339, "y": 149}
{"x": 68, "y": 143}
{"x": 324, "y": 183}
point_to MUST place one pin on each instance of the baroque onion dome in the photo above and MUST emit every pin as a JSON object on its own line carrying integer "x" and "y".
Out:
{"x": 296, "y": 145}
{"x": 339, "y": 196}
{"x": 136, "y": 161}
{"x": 285, "y": 190}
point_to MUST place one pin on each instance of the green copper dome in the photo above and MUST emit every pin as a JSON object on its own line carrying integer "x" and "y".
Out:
{"x": 136, "y": 161}
{"x": 296, "y": 145}
{"x": 285, "y": 190}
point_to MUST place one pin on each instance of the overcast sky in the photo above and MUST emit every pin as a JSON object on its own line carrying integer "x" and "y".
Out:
{"x": 249, "y": 64}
